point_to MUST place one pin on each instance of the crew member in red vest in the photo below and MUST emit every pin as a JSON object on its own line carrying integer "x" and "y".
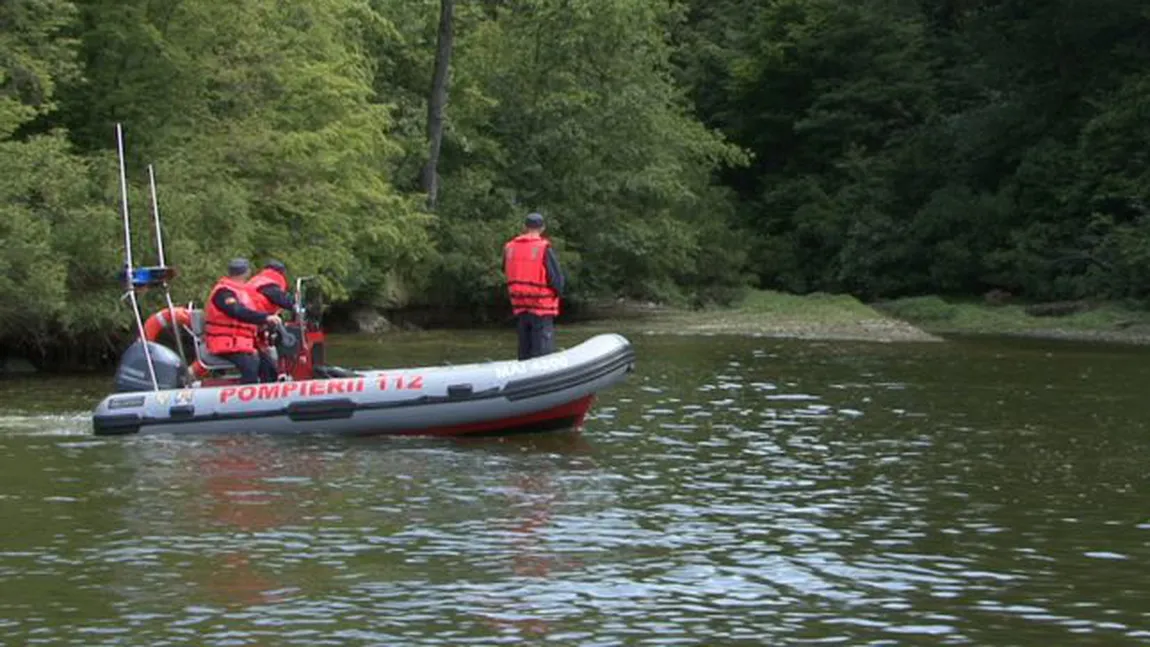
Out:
{"x": 269, "y": 291}
{"x": 534, "y": 285}
{"x": 231, "y": 324}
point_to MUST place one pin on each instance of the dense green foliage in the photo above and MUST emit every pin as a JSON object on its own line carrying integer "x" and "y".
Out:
{"x": 680, "y": 149}
{"x": 908, "y": 147}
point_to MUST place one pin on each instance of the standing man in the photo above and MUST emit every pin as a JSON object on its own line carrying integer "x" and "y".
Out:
{"x": 534, "y": 285}
{"x": 231, "y": 324}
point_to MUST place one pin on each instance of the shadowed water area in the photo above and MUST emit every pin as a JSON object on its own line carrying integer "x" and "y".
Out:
{"x": 736, "y": 490}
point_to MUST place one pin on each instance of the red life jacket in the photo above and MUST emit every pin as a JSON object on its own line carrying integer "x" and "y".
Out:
{"x": 223, "y": 333}
{"x": 265, "y": 278}
{"x": 524, "y": 263}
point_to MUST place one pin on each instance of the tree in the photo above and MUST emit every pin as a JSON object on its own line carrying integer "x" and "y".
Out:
{"x": 273, "y": 141}
{"x": 55, "y": 257}
{"x": 35, "y": 56}
{"x": 437, "y": 101}
{"x": 570, "y": 108}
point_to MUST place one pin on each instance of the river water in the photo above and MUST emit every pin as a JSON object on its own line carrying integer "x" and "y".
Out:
{"x": 736, "y": 491}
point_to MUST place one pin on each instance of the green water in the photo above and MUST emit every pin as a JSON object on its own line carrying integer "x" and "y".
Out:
{"x": 736, "y": 491}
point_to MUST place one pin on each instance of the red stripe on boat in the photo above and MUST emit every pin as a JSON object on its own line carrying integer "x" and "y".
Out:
{"x": 576, "y": 409}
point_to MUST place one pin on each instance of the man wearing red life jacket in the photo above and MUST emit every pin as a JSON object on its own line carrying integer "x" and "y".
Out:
{"x": 534, "y": 285}
{"x": 270, "y": 289}
{"x": 269, "y": 292}
{"x": 231, "y": 324}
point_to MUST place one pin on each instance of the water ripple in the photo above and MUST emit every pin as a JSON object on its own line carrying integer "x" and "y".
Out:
{"x": 740, "y": 492}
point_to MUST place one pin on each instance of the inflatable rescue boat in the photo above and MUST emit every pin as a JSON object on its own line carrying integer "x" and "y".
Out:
{"x": 168, "y": 382}
{"x": 545, "y": 393}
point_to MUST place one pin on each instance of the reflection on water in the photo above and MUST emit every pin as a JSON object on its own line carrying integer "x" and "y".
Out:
{"x": 736, "y": 491}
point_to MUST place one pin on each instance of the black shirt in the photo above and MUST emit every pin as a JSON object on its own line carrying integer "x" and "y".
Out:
{"x": 555, "y": 276}
{"x": 278, "y": 296}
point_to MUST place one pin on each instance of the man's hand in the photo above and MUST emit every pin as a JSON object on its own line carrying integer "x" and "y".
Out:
{"x": 273, "y": 320}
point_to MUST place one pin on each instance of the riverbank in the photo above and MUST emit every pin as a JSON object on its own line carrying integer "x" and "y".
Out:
{"x": 1077, "y": 320}
{"x": 915, "y": 319}
{"x": 769, "y": 314}
{"x": 775, "y": 314}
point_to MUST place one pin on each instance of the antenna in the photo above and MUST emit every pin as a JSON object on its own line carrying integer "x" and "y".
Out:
{"x": 156, "y": 216}
{"x": 128, "y": 257}
{"x": 160, "y": 250}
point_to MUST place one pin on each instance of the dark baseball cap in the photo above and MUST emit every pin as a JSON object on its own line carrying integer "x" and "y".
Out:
{"x": 277, "y": 266}
{"x": 534, "y": 220}
{"x": 238, "y": 266}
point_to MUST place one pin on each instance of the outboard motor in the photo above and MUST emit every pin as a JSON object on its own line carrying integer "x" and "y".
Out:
{"x": 133, "y": 375}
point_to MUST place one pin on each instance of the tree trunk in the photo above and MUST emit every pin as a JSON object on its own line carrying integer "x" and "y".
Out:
{"x": 438, "y": 101}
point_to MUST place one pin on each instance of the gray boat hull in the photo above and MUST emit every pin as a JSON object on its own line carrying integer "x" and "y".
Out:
{"x": 548, "y": 392}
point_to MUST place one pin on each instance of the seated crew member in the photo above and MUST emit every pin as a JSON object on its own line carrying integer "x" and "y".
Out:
{"x": 269, "y": 294}
{"x": 270, "y": 289}
{"x": 231, "y": 324}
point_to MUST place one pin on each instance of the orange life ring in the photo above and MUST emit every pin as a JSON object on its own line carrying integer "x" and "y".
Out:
{"x": 158, "y": 322}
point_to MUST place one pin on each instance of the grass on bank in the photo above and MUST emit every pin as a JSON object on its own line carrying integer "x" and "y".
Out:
{"x": 818, "y": 307}
{"x": 937, "y": 315}
{"x": 778, "y": 314}
{"x": 826, "y": 316}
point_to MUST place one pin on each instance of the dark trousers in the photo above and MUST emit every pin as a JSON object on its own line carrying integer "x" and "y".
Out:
{"x": 536, "y": 335}
{"x": 253, "y": 367}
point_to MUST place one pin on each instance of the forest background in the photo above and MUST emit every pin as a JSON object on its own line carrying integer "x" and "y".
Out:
{"x": 682, "y": 150}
